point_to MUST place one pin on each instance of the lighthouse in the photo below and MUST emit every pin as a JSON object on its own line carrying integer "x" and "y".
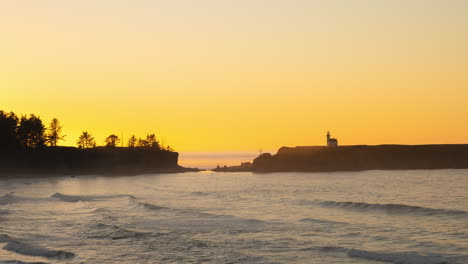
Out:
{"x": 331, "y": 142}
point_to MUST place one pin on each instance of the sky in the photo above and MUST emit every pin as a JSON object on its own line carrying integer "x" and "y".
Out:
{"x": 207, "y": 75}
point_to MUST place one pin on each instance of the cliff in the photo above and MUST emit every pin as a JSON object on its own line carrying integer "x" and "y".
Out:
{"x": 356, "y": 158}
{"x": 101, "y": 160}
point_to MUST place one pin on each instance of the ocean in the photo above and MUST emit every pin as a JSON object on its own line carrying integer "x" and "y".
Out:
{"x": 211, "y": 159}
{"x": 406, "y": 217}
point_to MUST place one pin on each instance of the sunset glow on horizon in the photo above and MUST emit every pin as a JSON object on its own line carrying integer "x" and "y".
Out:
{"x": 240, "y": 75}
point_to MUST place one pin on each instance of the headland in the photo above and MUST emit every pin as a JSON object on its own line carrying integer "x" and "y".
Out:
{"x": 29, "y": 149}
{"x": 61, "y": 161}
{"x": 359, "y": 158}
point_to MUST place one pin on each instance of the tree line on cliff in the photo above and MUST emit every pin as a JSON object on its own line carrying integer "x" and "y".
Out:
{"x": 30, "y": 132}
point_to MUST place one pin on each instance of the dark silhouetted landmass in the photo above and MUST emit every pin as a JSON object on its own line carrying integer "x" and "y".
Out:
{"x": 245, "y": 166}
{"x": 75, "y": 161}
{"x": 28, "y": 148}
{"x": 357, "y": 158}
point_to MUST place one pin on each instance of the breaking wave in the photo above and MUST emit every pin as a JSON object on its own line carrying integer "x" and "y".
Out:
{"x": 392, "y": 208}
{"x": 77, "y": 198}
{"x": 153, "y": 206}
{"x": 31, "y": 250}
{"x": 115, "y": 232}
{"x": 391, "y": 257}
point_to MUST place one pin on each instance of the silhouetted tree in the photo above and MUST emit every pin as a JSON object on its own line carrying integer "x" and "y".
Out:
{"x": 168, "y": 148}
{"x": 8, "y": 126}
{"x": 152, "y": 142}
{"x": 31, "y": 132}
{"x": 149, "y": 142}
{"x": 112, "y": 141}
{"x": 142, "y": 143}
{"x": 54, "y": 133}
{"x": 132, "y": 142}
{"x": 86, "y": 140}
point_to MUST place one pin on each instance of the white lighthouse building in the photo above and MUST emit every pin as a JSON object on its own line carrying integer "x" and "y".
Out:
{"x": 331, "y": 142}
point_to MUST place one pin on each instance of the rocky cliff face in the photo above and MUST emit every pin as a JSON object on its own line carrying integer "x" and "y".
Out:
{"x": 353, "y": 158}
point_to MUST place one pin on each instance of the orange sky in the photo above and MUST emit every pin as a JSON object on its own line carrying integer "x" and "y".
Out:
{"x": 240, "y": 75}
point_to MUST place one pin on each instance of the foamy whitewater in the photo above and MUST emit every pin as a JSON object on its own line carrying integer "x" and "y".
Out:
{"x": 405, "y": 217}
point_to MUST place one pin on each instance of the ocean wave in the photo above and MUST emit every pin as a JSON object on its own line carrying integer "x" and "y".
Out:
{"x": 115, "y": 232}
{"x": 197, "y": 214}
{"x": 182, "y": 212}
{"x": 320, "y": 221}
{"x": 100, "y": 210}
{"x": 252, "y": 221}
{"x": 11, "y": 198}
{"x": 392, "y": 208}
{"x": 153, "y": 206}
{"x": 391, "y": 257}
{"x": 8, "y": 199}
{"x": 2, "y": 213}
{"x": 27, "y": 249}
{"x": 4, "y": 238}
{"x": 200, "y": 193}
{"x": 70, "y": 198}
{"x": 326, "y": 249}
{"x": 399, "y": 257}
{"x": 77, "y": 198}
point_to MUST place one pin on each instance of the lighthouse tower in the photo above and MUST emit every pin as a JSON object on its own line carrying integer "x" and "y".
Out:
{"x": 331, "y": 142}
